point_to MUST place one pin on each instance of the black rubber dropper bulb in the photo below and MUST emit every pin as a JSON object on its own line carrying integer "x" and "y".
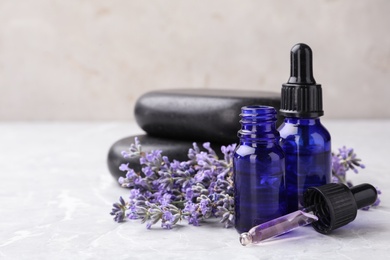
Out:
{"x": 301, "y": 95}
{"x": 301, "y": 65}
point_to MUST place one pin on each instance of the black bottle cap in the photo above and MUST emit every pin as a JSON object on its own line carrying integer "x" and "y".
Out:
{"x": 336, "y": 205}
{"x": 301, "y": 96}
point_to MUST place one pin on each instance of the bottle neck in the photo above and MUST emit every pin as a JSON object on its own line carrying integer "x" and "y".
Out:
{"x": 302, "y": 121}
{"x": 258, "y": 125}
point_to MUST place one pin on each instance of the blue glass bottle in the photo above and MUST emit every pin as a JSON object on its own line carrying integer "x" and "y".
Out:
{"x": 259, "y": 173}
{"x": 306, "y": 144}
{"x": 305, "y": 141}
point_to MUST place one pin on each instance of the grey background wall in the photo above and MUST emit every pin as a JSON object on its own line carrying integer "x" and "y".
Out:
{"x": 91, "y": 59}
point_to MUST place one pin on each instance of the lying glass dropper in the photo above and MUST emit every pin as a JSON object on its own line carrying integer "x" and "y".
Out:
{"x": 327, "y": 207}
{"x": 277, "y": 227}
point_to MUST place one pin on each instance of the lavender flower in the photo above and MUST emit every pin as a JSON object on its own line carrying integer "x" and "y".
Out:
{"x": 167, "y": 220}
{"x": 134, "y": 150}
{"x": 349, "y": 160}
{"x": 345, "y": 160}
{"x": 342, "y": 162}
{"x": 118, "y": 210}
{"x": 205, "y": 206}
{"x": 170, "y": 217}
{"x": 191, "y": 212}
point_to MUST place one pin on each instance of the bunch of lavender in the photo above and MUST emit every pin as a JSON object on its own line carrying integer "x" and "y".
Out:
{"x": 195, "y": 190}
{"x": 342, "y": 162}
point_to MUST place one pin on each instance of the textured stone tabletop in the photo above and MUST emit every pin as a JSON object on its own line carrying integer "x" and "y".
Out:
{"x": 56, "y": 194}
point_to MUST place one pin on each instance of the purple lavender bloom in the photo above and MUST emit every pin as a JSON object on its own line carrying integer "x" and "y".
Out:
{"x": 222, "y": 174}
{"x": 166, "y": 161}
{"x": 349, "y": 159}
{"x": 125, "y": 182}
{"x": 183, "y": 179}
{"x": 203, "y": 176}
{"x": 118, "y": 210}
{"x": 205, "y": 206}
{"x": 193, "y": 219}
{"x": 223, "y": 186}
{"x": 121, "y": 180}
{"x": 134, "y": 193}
{"x": 228, "y": 202}
{"x": 335, "y": 179}
{"x": 132, "y": 214}
{"x": 189, "y": 194}
{"x": 338, "y": 168}
{"x": 167, "y": 220}
{"x": 228, "y": 152}
{"x": 154, "y": 155}
{"x": 166, "y": 199}
{"x": 118, "y": 216}
{"x": 191, "y": 210}
{"x": 125, "y": 154}
{"x": 166, "y": 181}
{"x": 141, "y": 182}
{"x": 131, "y": 174}
{"x": 345, "y": 160}
{"x": 175, "y": 165}
{"x": 344, "y": 152}
{"x": 205, "y": 160}
{"x": 143, "y": 161}
{"x": 157, "y": 196}
{"x": 214, "y": 197}
{"x": 132, "y": 211}
{"x": 209, "y": 149}
{"x": 148, "y": 171}
{"x": 212, "y": 187}
{"x": 192, "y": 152}
{"x": 227, "y": 219}
{"x": 147, "y": 194}
{"x": 124, "y": 167}
{"x": 134, "y": 150}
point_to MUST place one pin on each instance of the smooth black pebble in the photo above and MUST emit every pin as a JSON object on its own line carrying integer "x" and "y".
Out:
{"x": 198, "y": 114}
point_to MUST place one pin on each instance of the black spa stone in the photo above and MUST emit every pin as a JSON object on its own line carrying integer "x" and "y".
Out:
{"x": 198, "y": 114}
{"x": 174, "y": 149}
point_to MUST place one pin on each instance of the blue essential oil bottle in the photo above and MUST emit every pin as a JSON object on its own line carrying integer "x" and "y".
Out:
{"x": 258, "y": 166}
{"x": 305, "y": 141}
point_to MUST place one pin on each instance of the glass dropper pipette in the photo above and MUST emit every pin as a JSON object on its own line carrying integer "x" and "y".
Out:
{"x": 327, "y": 207}
{"x": 277, "y": 227}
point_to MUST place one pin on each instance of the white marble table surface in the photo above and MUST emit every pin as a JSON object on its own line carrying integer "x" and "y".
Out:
{"x": 56, "y": 195}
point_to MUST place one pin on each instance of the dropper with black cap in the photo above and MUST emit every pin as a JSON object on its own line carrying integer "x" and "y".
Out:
{"x": 327, "y": 208}
{"x": 305, "y": 141}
